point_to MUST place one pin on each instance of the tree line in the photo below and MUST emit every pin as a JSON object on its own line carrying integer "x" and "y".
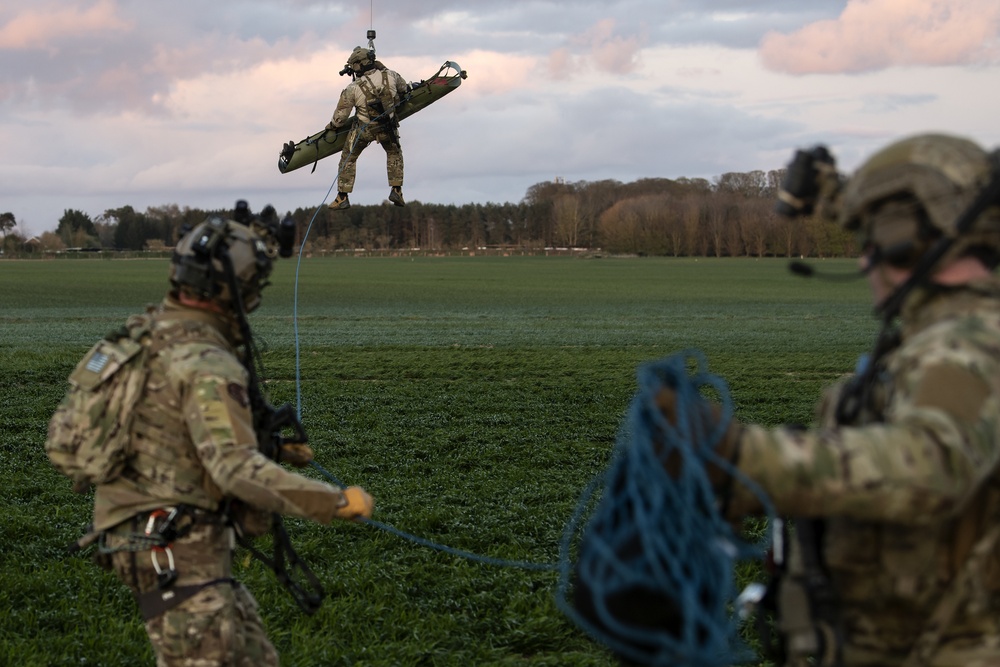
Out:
{"x": 730, "y": 216}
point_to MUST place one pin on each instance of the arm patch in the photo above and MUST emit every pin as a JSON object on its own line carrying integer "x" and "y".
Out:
{"x": 953, "y": 389}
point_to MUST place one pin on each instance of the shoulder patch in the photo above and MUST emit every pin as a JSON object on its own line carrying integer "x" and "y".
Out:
{"x": 953, "y": 389}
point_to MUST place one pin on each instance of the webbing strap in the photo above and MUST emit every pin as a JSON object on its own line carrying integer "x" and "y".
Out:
{"x": 291, "y": 572}
{"x": 159, "y": 601}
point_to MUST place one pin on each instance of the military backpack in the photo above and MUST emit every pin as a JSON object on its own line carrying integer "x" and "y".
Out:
{"x": 88, "y": 435}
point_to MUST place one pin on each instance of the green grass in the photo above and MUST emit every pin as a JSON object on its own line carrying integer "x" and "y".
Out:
{"x": 474, "y": 397}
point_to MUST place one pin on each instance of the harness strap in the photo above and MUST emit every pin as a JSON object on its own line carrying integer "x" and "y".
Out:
{"x": 289, "y": 569}
{"x": 157, "y": 602}
{"x": 371, "y": 96}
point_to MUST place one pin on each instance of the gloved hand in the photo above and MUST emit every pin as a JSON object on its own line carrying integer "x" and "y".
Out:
{"x": 357, "y": 503}
{"x": 331, "y": 126}
{"x": 711, "y": 414}
{"x": 297, "y": 454}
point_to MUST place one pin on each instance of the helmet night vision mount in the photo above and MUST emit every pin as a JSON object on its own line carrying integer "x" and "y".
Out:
{"x": 229, "y": 261}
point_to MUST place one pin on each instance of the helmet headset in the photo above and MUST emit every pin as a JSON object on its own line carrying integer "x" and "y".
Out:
{"x": 912, "y": 204}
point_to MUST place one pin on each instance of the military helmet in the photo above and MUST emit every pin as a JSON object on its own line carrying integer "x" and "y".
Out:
{"x": 217, "y": 253}
{"x": 361, "y": 59}
{"x": 911, "y": 193}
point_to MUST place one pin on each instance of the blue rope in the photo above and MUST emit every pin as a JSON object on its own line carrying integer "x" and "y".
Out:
{"x": 295, "y": 299}
{"x": 488, "y": 560}
{"x": 657, "y": 539}
{"x": 468, "y": 555}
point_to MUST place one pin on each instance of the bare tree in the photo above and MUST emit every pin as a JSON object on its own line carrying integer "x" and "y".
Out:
{"x": 566, "y": 219}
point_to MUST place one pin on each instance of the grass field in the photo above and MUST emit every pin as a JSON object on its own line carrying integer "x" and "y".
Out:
{"x": 473, "y": 397}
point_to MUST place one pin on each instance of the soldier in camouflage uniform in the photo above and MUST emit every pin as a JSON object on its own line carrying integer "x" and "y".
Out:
{"x": 193, "y": 447}
{"x": 895, "y": 491}
{"x": 375, "y": 92}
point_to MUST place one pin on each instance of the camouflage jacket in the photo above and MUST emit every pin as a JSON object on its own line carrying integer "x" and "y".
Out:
{"x": 355, "y": 97}
{"x": 192, "y": 439}
{"x": 908, "y": 490}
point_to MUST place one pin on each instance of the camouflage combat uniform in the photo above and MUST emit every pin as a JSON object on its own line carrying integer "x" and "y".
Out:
{"x": 361, "y": 95}
{"x": 193, "y": 444}
{"x": 909, "y": 491}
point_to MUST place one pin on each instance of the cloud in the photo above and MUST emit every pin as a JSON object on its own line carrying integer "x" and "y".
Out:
{"x": 872, "y": 35}
{"x": 600, "y": 46}
{"x": 894, "y": 103}
{"x": 613, "y": 53}
{"x": 44, "y": 28}
{"x": 562, "y": 66}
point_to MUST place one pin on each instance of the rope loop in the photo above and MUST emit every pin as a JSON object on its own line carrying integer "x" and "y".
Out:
{"x": 654, "y": 573}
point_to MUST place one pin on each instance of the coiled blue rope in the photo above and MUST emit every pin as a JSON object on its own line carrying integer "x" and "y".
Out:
{"x": 654, "y": 573}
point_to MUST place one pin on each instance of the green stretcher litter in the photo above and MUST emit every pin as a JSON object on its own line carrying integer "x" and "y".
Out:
{"x": 324, "y": 143}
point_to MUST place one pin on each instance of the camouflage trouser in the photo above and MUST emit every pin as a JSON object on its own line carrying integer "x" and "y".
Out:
{"x": 219, "y": 625}
{"x": 358, "y": 140}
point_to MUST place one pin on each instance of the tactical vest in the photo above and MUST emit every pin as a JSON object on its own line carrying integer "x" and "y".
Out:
{"x": 381, "y": 103}
{"x": 932, "y": 574}
{"x": 163, "y": 465}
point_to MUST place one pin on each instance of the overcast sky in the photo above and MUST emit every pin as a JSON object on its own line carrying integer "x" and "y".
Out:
{"x": 111, "y": 102}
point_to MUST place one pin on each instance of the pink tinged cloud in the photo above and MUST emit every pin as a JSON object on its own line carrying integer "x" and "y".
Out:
{"x": 43, "y": 28}
{"x": 876, "y": 34}
{"x": 600, "y": 46}
{"x": 562, "y": 65}
{"x": 611, "y": 53}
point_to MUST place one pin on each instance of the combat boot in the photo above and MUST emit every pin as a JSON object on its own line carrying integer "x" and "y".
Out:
{"x": 341, "y": 202}
{"x": 396, "y": 195}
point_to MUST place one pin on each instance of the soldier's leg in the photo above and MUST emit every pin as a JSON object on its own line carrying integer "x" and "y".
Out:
{"x": 217, "y": 626}
{"x": 393, "y": 160}
{"x": 353, "y": 145}
{"x": 258, "y": 649}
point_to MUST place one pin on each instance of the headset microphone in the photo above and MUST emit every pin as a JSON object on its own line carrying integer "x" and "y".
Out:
{"x": 806, "y": 271}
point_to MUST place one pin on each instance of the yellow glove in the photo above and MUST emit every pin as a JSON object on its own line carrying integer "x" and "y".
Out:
{"x": 357, "y": 503}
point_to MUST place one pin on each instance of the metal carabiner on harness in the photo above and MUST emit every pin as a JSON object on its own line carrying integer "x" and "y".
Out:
{"x": 165, "y": 578}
